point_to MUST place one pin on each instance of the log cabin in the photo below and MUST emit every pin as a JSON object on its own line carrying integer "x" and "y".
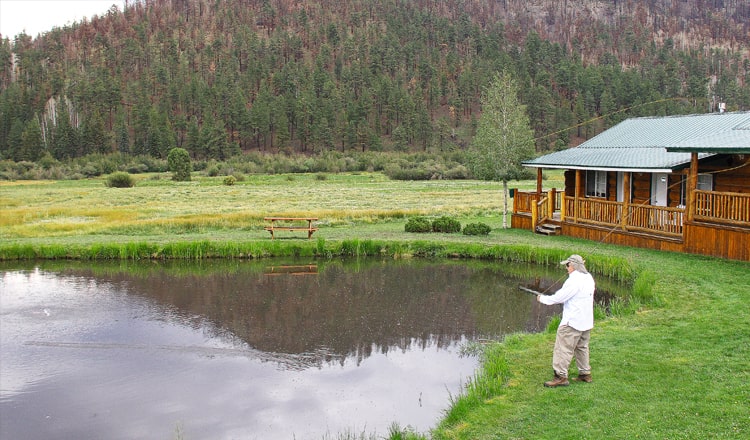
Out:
{"x": 676, "y": 183}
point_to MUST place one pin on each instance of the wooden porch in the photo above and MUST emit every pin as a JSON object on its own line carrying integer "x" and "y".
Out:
{"x": 718, "y": 223}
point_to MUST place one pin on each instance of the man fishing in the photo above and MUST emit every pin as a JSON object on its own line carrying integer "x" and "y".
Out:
{"x": 573, "y": 334}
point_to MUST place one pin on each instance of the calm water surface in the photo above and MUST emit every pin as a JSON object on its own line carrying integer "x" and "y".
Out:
{"x": 247, "y": 350}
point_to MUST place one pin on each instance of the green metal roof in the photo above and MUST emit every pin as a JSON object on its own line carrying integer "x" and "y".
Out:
{"x": 655, "y": 144}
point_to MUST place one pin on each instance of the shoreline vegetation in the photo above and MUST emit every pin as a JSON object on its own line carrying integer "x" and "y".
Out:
{"x": 671, "y": 361}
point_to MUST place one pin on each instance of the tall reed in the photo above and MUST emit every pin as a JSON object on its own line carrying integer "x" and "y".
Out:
{"x": 610, "y": 266}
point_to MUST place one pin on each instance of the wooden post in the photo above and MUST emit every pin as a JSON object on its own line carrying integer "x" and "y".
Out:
{"x": 576, "y": 195}
{"x": 534, "y": 215}
{"x": 551, "y": 203}
{"x": 626, "y": 199}
{"x": 539, "y": 184}
{"x": 563, "y": 202}
{"x": 692, "y": 185}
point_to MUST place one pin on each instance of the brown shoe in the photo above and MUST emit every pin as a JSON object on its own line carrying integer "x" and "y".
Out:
{"x": 558, "y": 381}
{"x": 583, "y": 378}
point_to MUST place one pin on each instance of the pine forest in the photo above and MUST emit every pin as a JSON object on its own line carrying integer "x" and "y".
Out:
{"x": 221, "y": 78}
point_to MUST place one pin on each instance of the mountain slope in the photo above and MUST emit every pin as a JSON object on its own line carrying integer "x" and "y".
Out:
{"x": 222, "y": 76}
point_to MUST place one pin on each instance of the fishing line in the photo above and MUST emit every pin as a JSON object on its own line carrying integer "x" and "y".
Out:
{"x": 588, "y": 121}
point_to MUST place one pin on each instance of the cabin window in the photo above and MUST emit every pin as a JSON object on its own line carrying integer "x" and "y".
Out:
{"x": 705, "y": 183}
{"x": 596, "y": 184}
{"x": 683, "y": 191}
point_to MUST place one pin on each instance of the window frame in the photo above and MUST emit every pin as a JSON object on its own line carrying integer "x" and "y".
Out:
{"x": 596, "y": 184}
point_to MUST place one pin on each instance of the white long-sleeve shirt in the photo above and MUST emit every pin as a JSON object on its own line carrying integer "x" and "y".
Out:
{"x": 577, "y": 297}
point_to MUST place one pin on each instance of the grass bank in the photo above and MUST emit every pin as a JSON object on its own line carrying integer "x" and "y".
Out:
{"x": 674, "y": 366}
{"x": 676, "y": 370}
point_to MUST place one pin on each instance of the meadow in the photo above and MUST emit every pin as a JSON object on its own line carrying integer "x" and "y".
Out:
{"x": 671, "y": 361}
{"x": 160, "y": 207}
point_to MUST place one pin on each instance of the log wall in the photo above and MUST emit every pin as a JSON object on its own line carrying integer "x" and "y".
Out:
{"x": 731, "y": 173}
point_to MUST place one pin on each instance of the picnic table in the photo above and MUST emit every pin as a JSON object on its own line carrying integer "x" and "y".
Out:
{"x": 290, "y": 224}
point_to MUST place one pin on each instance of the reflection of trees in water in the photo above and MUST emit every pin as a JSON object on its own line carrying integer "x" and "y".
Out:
{"x": 345, "y": 312}
{"x": 341, "y": 312}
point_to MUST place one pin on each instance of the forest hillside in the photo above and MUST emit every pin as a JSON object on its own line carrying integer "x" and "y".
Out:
{"x": 221, "y": 77}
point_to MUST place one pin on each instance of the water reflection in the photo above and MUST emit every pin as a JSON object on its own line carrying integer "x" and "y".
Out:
{"x": 232, "y": 349}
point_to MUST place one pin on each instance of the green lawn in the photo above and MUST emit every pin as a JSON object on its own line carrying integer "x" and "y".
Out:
{"x": 679, "y": 370}
{"x": 678, "y": 367}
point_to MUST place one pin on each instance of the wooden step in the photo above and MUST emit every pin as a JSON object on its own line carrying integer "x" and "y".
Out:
{"x": 548, "y": 229}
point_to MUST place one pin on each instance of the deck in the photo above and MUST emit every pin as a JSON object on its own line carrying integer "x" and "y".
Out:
{"x": 718, "y": 226}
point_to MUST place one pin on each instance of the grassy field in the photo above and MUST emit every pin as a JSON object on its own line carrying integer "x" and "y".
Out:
{"x": 158, "y": 206}
{"x": 676, "y": 367}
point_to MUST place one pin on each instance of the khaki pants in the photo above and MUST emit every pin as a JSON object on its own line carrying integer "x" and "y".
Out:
{"x": 569, "y": 342}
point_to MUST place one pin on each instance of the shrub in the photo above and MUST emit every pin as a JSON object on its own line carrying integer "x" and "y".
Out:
{"x": 395, "y": 172}
{"x": 213, "y": 170}
{"x": 229, "y": 180}
{"x": 47, "y": 161}
{"x": 24, "y": 166}
{"x": 476, "y": 229}
{"x": 90, "y": 170}
{"x": 137, "y": 168}
{"x": 120, "y": 179}
{"x": 418, "y": 224}
{"x": 153, "y": 164}
{"x": 179, "y": 164}
{"x": 457, "y": 173}
{"x": 446, "y": 224}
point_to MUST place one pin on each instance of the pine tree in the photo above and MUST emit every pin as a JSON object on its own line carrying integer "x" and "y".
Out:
{"x": 15, "y": 140}
{"x": 65, "y": 137}
{"x": 178, "y": 161}
{"x": 32, "y": 145}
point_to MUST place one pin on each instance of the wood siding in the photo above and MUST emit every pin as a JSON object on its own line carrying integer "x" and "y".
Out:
{"x": 608, "y": 235}
{"x": 570, "y": 183}
{"x": 718, "y": 241}
{"x": 641, "y": 189}
{"x": 699, "y": 238}
{"x": 731, "y": 173}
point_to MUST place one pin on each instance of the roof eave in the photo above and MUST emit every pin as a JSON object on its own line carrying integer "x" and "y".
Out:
{"x": 733, "y": 150}
{"x": 595, "y": 168}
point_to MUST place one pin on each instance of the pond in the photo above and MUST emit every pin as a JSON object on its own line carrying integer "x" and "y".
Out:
{"x": 263, "y": 349}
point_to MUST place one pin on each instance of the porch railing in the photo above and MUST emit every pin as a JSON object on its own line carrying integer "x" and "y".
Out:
{"x": 646, "y": 218}
{"x": 660, "y": 219}
{"x": 523, "y": 201}
{"x": 541, "y": 208}
{"x": 728, "y": 208}
{"x": 717, "y": 207}
{"x": 595, "y": 211}
{"x": 540, "y": 212}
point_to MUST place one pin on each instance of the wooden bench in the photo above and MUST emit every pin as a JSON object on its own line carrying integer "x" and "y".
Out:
{"x": 283, "y": 224}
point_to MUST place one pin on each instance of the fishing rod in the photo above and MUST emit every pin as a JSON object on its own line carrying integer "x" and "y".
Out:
{"x": 531, "y": 291}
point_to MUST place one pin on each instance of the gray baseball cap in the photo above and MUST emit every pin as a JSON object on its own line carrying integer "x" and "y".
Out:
{"x": 577, "y": 261}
